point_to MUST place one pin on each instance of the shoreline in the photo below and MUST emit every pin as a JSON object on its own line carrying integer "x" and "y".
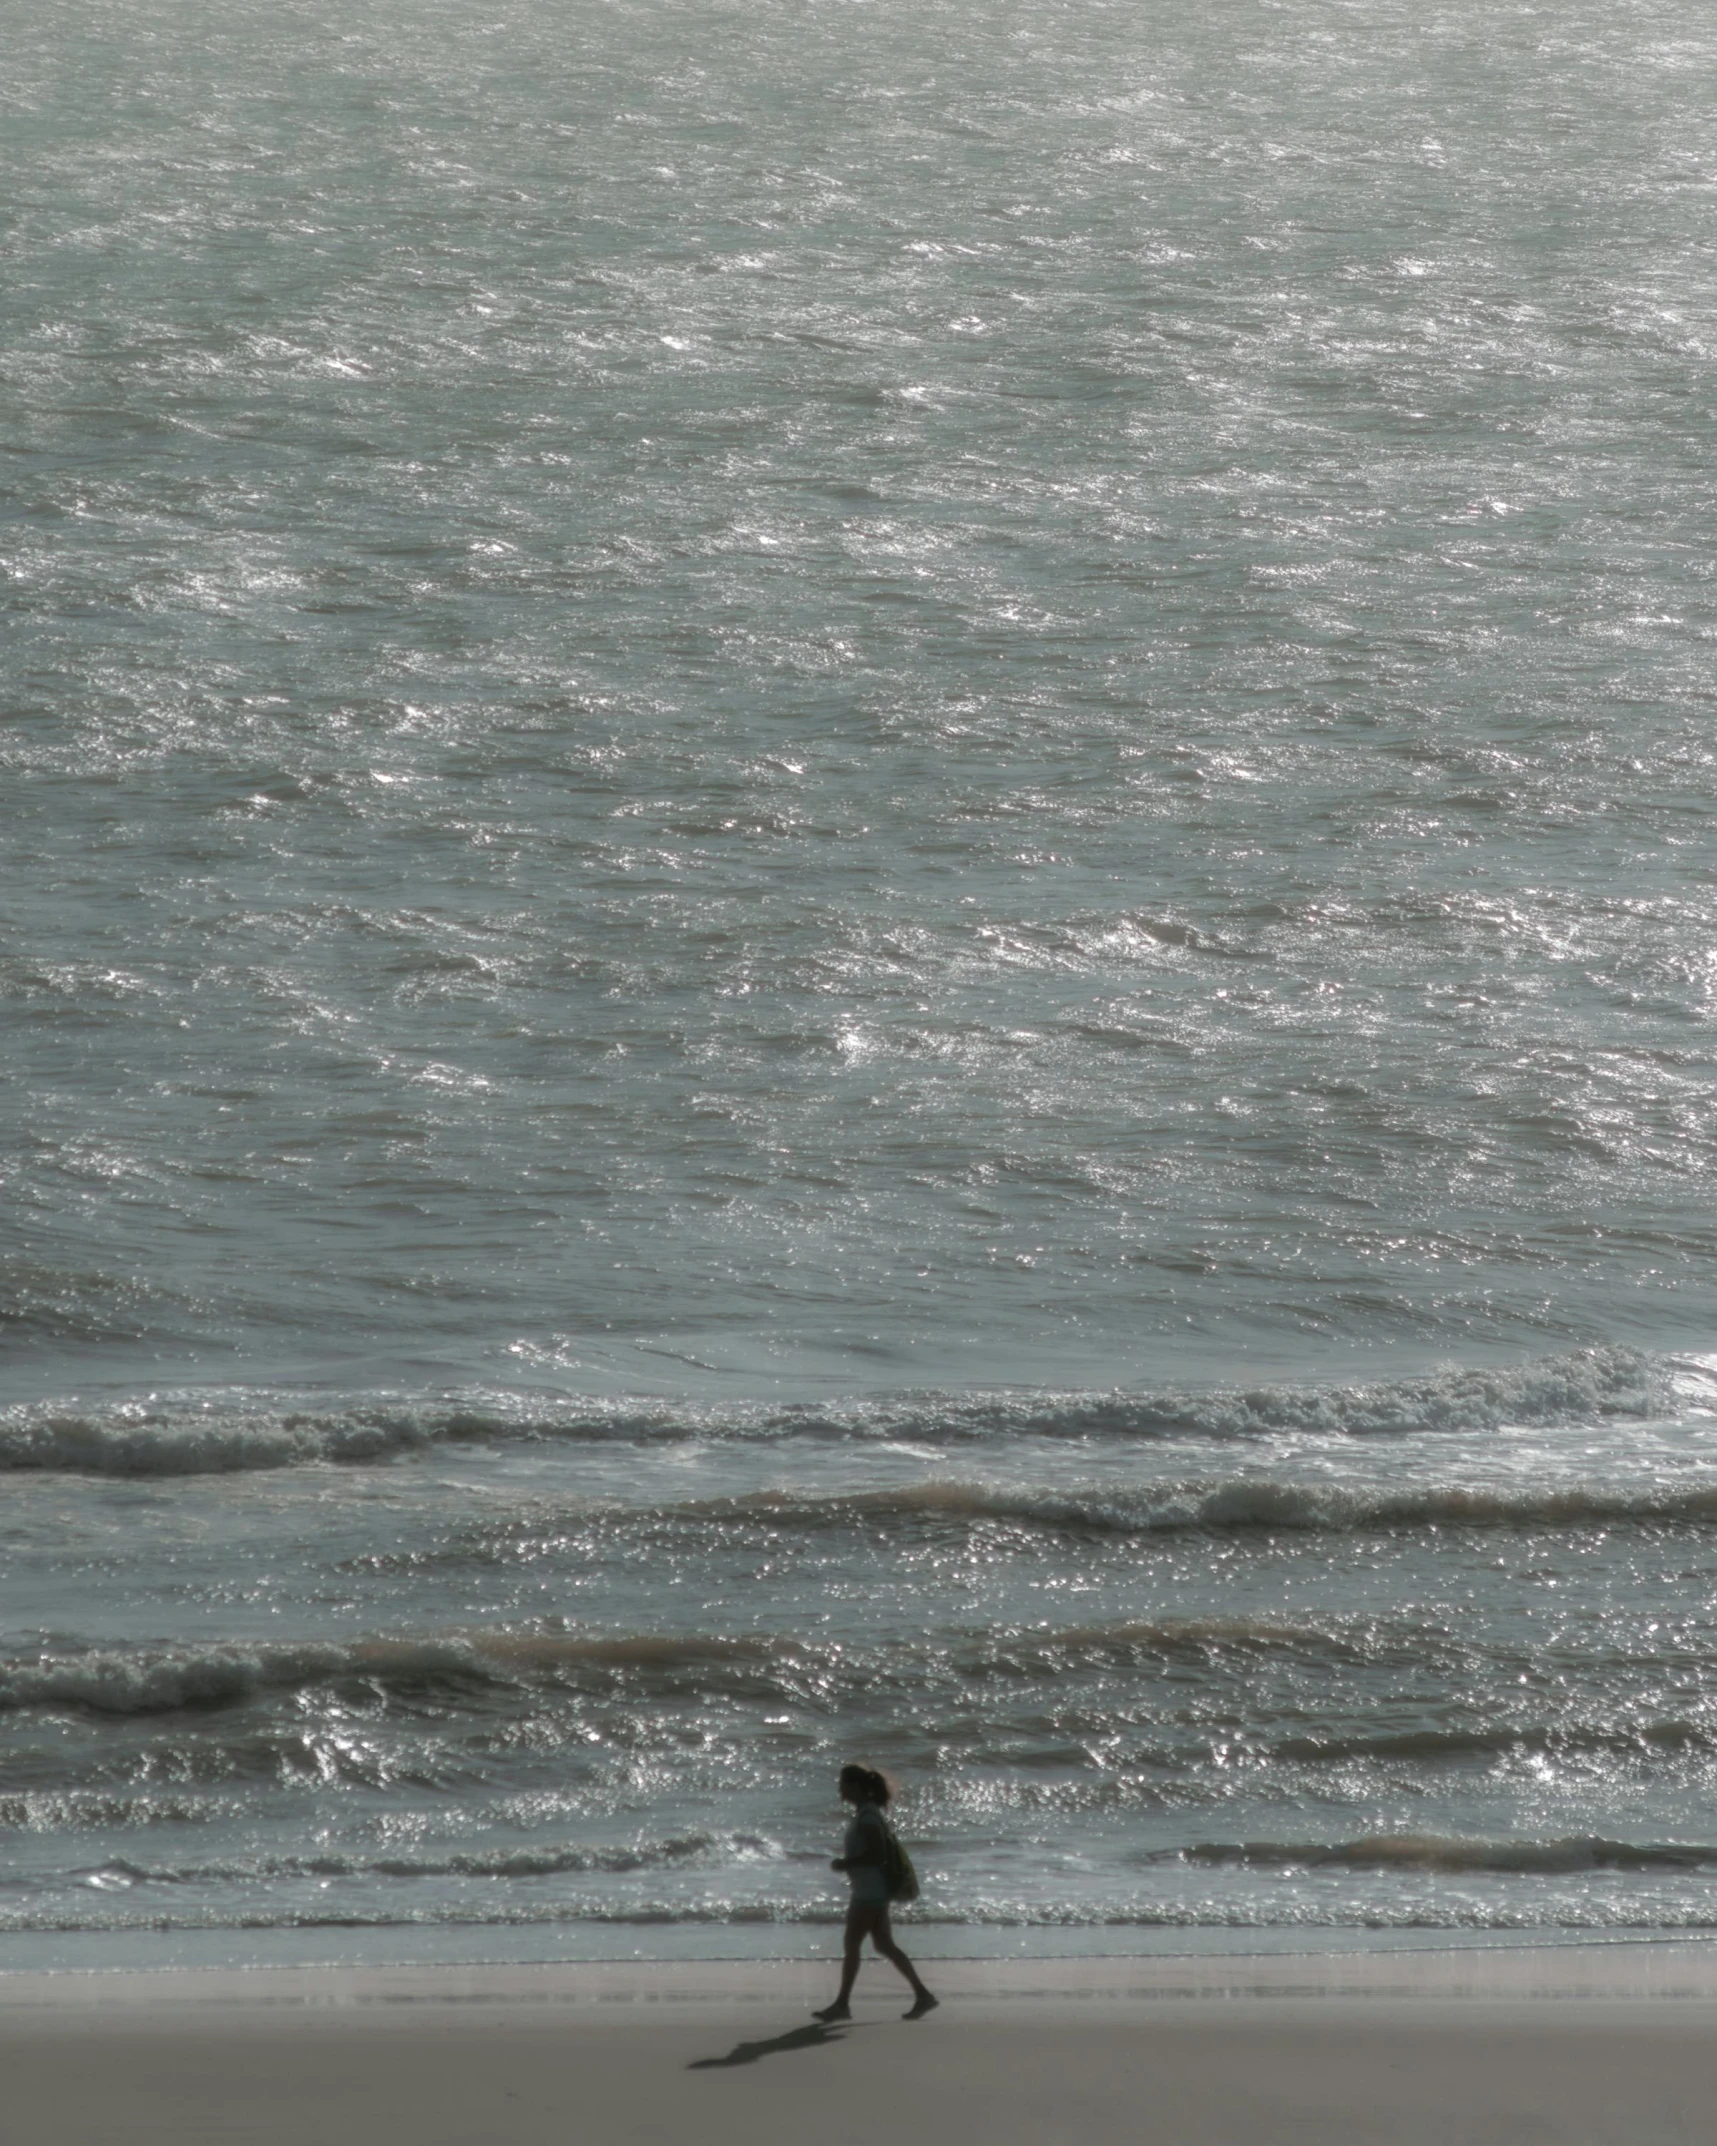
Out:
{"x": 738, "y": 1950}
{"x": 1603, "y": 1970}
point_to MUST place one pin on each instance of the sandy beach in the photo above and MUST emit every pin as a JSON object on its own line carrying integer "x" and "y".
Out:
{"x": 1589, "y": 2045}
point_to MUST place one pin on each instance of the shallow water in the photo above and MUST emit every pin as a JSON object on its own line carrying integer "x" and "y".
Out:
{"x": 1294, "y": 1674}
{"x": 858, "y": 891}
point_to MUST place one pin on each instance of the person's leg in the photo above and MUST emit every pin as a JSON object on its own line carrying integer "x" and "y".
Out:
{"x": 882, "y": 1937}
{"x": 857, "y": 1921}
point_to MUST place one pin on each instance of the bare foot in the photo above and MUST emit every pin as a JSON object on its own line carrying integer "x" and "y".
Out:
{"x": 831, "y": 2012}
{"x": 924, "y": 2004}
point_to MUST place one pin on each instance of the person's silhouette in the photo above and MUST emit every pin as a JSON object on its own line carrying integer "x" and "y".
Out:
{"x": 864, "y": 1861}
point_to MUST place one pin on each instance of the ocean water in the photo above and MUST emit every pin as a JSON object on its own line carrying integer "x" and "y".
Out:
{"x": 859, "y": 895}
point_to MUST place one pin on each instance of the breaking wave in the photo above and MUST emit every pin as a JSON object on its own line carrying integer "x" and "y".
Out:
{"x": 1438, "y": 1852}
{"x": 192, "y": 1433}
{"x": 1217, "y": 1504}
{"x": 1427, "y": 1852}
{"x": 157, "y": 1681}
{"x": 550, "y": 1860}
{"x": 468, "y": 1669}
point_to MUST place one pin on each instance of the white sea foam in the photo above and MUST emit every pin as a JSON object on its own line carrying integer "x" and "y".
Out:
{"x": 191, "y": 1433}
{"x": 155, "y": 1680}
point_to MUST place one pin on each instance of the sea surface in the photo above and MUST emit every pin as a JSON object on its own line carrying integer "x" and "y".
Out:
{"x": 858, "y": 896}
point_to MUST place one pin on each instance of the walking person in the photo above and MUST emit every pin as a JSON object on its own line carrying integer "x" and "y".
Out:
{"x": 866, "y": 1859}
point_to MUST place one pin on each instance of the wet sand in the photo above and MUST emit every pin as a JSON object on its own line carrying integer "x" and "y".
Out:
{"x": 1588, "y": 2045}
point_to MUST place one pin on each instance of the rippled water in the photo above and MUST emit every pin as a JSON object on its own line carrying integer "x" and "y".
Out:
{"x": 879, "y": 838}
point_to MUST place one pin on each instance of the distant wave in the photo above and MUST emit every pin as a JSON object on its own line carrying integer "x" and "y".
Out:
{"x": 1216, "y": 1503}
{"x": 1621, "y": 1739}
{"x": 475, "y": 1669}
{"x": 167, "y": 1680}
{"x": 157, "y": 1681}
{"x": 193, "y": 1433}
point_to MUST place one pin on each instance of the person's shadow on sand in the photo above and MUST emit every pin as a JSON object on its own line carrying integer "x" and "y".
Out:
{"x": 815, "y": 2036}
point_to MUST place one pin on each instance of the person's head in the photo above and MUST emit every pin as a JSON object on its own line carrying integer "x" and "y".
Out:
{"x": 865, "y": 1784}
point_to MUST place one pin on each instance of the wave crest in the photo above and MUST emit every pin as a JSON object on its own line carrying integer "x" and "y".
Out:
{"x": 1216, "y": 1504}
{"x": 159, "y": 1681}
{"x": 1432, "y": 1851}
{"x": 194, "y": 1433}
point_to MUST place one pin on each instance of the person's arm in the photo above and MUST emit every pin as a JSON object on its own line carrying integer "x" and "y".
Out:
{"x": 871, "y": 1852}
